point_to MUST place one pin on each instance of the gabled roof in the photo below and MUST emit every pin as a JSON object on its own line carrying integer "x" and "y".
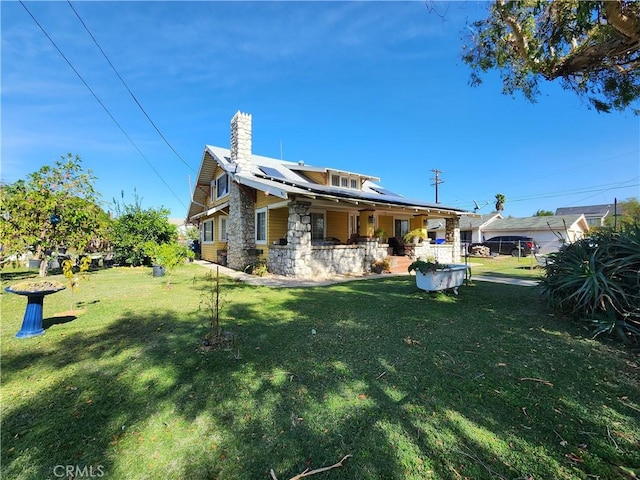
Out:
{"x": 469, "y": 222}
{"x": 551, "y": 222}
{"x": 284, "y": 179}
{"x": 588, "y": 210}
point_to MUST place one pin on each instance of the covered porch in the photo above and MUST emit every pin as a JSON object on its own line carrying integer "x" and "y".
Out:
{"x": 344, "y": 238}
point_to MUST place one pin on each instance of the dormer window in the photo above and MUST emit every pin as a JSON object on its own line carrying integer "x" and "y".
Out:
{"x": 345, "y": 181}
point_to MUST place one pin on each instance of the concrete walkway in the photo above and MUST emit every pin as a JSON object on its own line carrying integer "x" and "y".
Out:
{"x": 511, "y": 281}
{"x": 280, "y": 281}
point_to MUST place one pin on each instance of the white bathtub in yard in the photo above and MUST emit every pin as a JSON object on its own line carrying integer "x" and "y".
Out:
{"x": 449, "y": 278}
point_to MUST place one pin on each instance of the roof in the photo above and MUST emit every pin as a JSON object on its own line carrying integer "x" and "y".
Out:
{"x": 553, "y": 222}
{"x": 469, "y": 223}
{"x": 284, "y": 179}
{"x": 588, "y": 210}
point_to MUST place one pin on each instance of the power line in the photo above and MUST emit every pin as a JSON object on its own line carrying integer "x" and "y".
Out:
{"x": 102, "y": 104}
{"x": 630, "y": 183}
{"x": 128, "y": 89}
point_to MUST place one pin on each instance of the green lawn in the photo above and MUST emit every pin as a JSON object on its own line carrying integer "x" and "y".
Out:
{"x": 486, "y": 384}
{"x": 506, "y": 266}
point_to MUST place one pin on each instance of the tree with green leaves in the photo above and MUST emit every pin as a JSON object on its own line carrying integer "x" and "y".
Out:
{"x": 500, "y": 201}
{"x": 628, "y": 214}
{"x": 134, "y": 227}
{"x": 57, "y": 206}
{"x": 592, "y": 47}
{"x": 543, "y": 213}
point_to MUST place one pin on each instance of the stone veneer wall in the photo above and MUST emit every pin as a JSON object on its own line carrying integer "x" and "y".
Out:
{"x": 444, "y": 253}
{"x": 322, "y": 261}
{"x": 241, "y": 228}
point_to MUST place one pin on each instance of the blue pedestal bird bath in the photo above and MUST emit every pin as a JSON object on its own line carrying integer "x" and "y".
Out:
{"x": 35, "y": 293}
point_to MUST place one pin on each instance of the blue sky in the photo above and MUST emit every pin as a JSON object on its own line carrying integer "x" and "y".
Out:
{"x": 378, "y": 88}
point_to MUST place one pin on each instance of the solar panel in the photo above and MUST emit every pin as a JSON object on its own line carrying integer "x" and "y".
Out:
{"x": 272, "y": 172}
{"x": 384, "y": 191}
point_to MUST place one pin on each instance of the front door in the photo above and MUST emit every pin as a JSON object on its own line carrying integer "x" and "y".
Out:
{"x": 401, "y": 227}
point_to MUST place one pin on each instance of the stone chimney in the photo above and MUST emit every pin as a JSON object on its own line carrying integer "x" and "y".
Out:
{"x": 241, "y": 244}
{"x": 241, "y": 140}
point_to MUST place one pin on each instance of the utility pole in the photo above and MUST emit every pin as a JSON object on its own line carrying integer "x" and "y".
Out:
{"x": 437, "y": 181}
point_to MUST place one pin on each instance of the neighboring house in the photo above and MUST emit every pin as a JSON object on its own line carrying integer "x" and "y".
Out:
{"x": 181, "y": 227}
{"x": 595, "y": 214}
{"x": 301, "y": 219}
{"x": 471, "y": 227}
{"x": 550, "y": 232}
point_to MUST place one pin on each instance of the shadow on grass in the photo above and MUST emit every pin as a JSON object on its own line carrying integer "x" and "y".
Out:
{"x": 412, "y": 385}
{"x": 57, "y": 320}
{"x": 19, "y": 275}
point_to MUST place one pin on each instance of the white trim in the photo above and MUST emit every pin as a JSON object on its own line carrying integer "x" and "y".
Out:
{"x": 278, "y": 205}
{"x": 261, "y": 186}
{"x": 211, "y": 211}
{"x": 266, "y": 225}
{"x": 213, "y": 231}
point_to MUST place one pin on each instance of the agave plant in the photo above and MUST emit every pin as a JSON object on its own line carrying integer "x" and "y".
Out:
{"x": 597, "y": 280}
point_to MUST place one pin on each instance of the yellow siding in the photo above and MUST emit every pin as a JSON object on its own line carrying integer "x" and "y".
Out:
{"x": 338, "y": 225}
{"x": 317, "y": 177}
{"x": 208, "y": 252}
{"x": 386, "y": 223}
{"x": 416, "y": 222}
{"x": 263, "y": 200}
{"x": 277, "y": 223}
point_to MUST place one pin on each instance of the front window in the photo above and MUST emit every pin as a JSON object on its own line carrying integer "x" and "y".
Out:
{"x": 207, "y": 231}
{"x": 222, "y": 186}
{"x": 317, "y": 226}
{"x": 222, "y": 229}
{"x": 261, "y": 226}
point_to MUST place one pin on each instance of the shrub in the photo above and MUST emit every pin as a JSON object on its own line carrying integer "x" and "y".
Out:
{"x": 134, "y": 227}
{"x": 259, "y": 268}
{"x": 597, "y": 280}
{"x": 168, "y": 255}
{"x": 426, "y": 267}
{"x": 382, "y": 265}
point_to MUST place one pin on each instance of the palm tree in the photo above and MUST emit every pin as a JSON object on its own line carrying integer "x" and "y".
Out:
{"x": 500, "y": 201}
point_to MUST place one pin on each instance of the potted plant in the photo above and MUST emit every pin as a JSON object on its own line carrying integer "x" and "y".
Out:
{"x": 382, "y": 265}
{"x": 380, "y": 233}
{"x": 428, "y": 266}
{"x": 434, "y": 276}
{"x": 166, "y": 257}
{"x": 416, "y": 235}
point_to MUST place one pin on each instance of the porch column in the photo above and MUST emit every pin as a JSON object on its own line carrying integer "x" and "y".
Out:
{"x": 299, "y": 239}
{"x": 367, "y": 227}
{"x": 452, "y": 236}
